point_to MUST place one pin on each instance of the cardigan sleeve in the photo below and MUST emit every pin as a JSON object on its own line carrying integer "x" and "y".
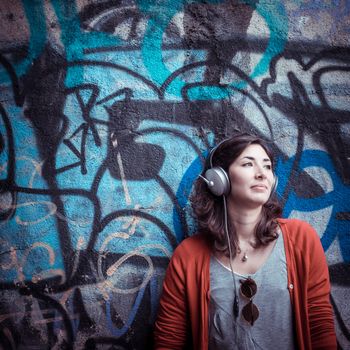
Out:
{"x": 171, "y": 325}
{"x": 321, "y": 321}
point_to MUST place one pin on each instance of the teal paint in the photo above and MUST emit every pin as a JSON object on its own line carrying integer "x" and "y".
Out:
{"x": 209, "y": 93}
{"x": 151, "y": 49}
{"x": 160, "y": 16}
{"x": 75, "y": 41}
{"x": 277, "y": 21}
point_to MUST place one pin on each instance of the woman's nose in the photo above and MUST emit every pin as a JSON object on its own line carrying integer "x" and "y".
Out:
{"x": 260, "y": 174}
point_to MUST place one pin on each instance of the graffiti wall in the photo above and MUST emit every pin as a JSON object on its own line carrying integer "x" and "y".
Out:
{"x": 107, "y": 111}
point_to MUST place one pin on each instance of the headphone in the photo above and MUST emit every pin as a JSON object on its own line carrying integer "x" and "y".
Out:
{"x": 217, "y": 179}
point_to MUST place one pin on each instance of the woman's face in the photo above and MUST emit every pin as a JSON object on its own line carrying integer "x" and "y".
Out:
{"x": 251, "y": 178}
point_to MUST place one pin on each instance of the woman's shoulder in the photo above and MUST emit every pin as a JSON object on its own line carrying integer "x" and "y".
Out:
{"x": 193, "y": 246}
{"x": 294, "y": 223}
{"x": 298, "y": 230}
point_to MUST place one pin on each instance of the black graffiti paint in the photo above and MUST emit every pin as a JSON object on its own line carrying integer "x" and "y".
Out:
{"x": 42, "y": 95}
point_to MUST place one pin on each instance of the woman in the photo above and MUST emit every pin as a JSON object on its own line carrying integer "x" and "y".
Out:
{"x": 248, "y": 279}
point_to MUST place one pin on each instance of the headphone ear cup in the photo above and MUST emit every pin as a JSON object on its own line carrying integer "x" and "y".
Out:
{"x": 219, "y": 182}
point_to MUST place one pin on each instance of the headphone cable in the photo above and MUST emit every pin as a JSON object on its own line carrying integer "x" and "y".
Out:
{"x": 235, "y": 301}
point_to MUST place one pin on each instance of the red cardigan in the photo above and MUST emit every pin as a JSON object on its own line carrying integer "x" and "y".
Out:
{"x": 183, "y": 309}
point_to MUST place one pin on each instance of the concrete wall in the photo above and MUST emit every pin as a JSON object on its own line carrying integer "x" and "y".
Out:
{"x": 107, "y": 109}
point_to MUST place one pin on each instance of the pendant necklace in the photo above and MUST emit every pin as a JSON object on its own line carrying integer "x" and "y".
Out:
{"x": 244, "y": 257}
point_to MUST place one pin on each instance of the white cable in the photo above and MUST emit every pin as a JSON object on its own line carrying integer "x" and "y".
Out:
{"x": 235, "y": 301}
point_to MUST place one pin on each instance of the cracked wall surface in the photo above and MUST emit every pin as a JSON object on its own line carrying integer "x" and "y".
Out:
{"x": 107, "y": 111}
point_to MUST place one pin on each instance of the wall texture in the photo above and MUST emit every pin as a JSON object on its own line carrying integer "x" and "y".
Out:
{"x": 107, "y": 110}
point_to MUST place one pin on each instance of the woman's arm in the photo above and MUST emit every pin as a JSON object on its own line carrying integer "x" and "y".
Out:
{"x": 321, "y": 321}
{"x": 172, "y": 327}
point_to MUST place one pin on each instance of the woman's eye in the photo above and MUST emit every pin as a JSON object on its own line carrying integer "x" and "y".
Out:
{"x": 248, "y": 164}
{"x": 268, "y": 166}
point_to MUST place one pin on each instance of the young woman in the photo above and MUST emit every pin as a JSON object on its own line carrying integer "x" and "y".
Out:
{"x": 248, "y": 279}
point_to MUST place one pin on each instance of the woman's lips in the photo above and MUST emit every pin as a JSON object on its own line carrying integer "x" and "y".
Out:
{"x": 259, "y": 187}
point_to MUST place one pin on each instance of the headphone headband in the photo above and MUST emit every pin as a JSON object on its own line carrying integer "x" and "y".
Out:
{"x": 213, "y": 151}
{"x": 216, "y": 177}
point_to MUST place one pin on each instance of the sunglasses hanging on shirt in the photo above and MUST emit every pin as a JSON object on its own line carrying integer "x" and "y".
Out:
{"x": 248, "y": 289}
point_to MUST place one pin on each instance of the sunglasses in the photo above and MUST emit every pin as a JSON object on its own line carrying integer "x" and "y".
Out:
{"x": 248, "y": 289}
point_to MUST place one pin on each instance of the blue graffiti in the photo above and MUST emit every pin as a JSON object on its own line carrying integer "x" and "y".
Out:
{"x": 118, "y": 332}
{"x": 337, "y": 199}
{"x": 273, "y": 13}
{"x": 75, "y": 41}
{"x": 183, "y": 194}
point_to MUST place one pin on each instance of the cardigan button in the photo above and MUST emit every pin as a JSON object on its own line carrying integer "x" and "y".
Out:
{"x": 291, "y": 286}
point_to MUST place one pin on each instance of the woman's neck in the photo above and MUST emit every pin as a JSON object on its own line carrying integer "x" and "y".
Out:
{"x": 244, "y": 221}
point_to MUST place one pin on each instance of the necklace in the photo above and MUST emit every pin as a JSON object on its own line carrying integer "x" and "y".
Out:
{"x": 244, "y": 257}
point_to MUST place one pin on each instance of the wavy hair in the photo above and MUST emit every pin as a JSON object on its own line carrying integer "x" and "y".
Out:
{"x": 208, "y": 209}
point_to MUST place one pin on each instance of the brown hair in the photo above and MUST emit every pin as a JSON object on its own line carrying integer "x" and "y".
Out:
{"x": 208, "y": 209}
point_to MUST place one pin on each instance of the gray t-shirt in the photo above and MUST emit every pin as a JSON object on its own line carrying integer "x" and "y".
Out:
{"x": 274, "y": 327}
